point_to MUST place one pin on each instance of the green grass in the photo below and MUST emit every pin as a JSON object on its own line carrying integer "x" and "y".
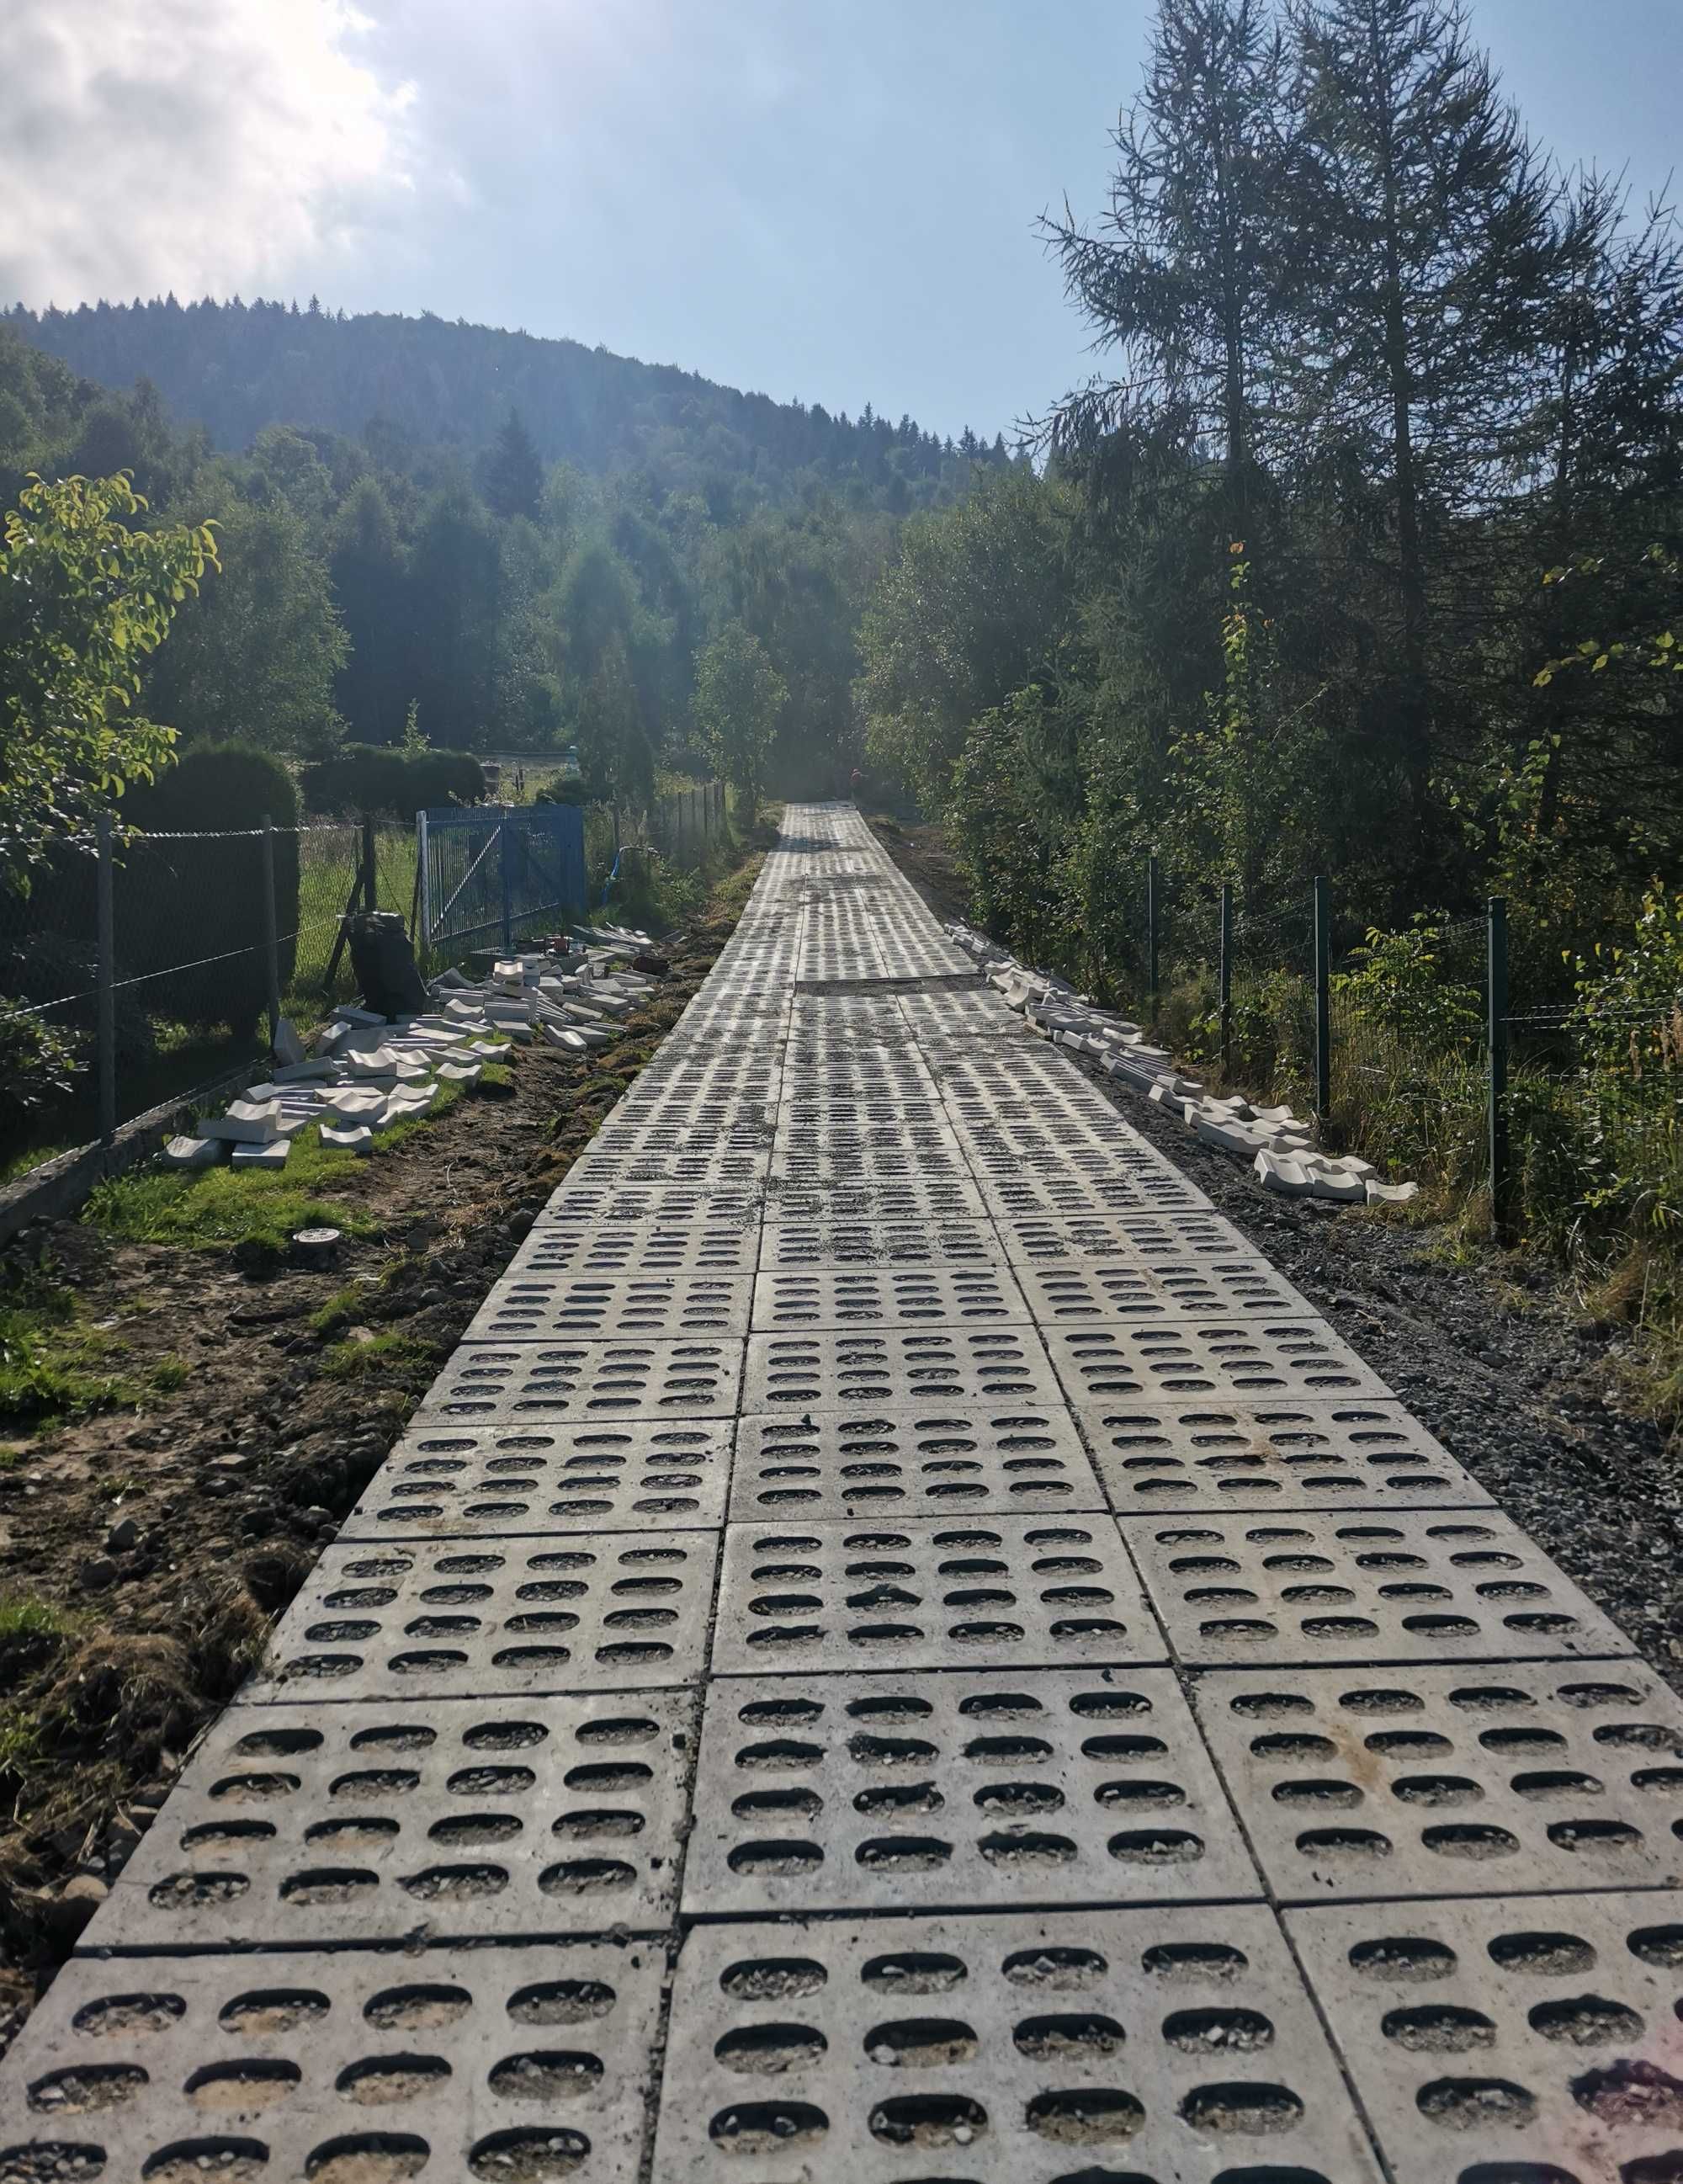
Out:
{"x": 356, "y": 1360}
{"x": 53, "y": 1364}
{"x": 342, "y": 1309}
{"x": 27, "y": 1618}
{"x": 222, "y": 1206}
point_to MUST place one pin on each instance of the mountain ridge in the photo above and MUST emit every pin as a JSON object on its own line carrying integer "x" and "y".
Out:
{"x": 236, "y": 368}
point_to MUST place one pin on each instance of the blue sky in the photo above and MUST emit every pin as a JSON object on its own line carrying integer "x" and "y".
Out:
{"x": 834, "y": 201}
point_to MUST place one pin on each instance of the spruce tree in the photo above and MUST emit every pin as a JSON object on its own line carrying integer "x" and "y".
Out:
{"x": 1420, "y": 228}
{"x": 1178, "y": 281}
{"x": 514, "y": 475}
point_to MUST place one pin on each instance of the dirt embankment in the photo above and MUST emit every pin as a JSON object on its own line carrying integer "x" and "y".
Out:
{"x": 1492, "y": 1352}
{"x": 143, "y": 1554}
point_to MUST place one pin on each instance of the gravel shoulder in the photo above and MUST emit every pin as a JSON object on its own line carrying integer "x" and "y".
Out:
{"x": 1492, "y": 1357}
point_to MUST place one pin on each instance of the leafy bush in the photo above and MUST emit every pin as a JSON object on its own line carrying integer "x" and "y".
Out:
{"x": 1399, "y": 986}
{"x": 392, "y": 780}
{"x": 38, "y": 1062}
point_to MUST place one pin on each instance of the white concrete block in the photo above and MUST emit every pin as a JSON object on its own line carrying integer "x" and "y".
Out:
{"x": 357, "y": 1139}
{"x": 1232, "y": 1137}
{"x": 288, "y": 1047}
{"x": 247, "y": 1123}
{"x": 348, "y": 1014}
{"x": 1343, "y": 1190}
{"x": 564, "y": 1036}
{"x": 316, "y": 1072}
{"x": 195, "y": 1152}
{"x": 1389, "y": 1194}
{"x": 273, "y": 1154}
{"x": 460, "y": 1072}
{"x": 1277, "y": 1172}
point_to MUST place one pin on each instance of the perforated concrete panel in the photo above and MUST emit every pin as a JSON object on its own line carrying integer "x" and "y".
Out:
{"x": 535, "y": 1307}
{"x": 831, "y": 1466}
{"x": 1466, "y": 1585}
{"x": 1040, "y": 1592}
{"x": 581, "y": 1205}
{"x": 1529, "y": 2038}
{"x": 583, "y": 1380}
{"x": 1117, "y": 2045}
{"x": 1210, "y": 1453}
{"x": 1261, "y": 1356}
{"x": 831, "y": 1243}
{"x": 1243, "y": 1287}
{"x": 445, "y": 1481}
{"x": 478, "y": 1819}
{"x": 1449, "y": 1781}
{"x": 1018, "y": 1196}
{"x": 497, "y": 2062}
{"x": 697, "y": 1246}
{"x": 887, "y": 1296}
{"x": 1135, "y": 1238}
{"x": 473, "y": 1618}
{"x": 909, "y": 1198}
{"x": 840, "y": 1368}
{"x": 923, "y": 1792}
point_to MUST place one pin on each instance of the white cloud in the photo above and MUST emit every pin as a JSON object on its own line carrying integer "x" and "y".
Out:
{"x": 204, "y": 146}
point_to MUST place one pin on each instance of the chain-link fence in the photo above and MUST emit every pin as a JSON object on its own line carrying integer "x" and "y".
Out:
{"x": 1405, "y": 1043}
{"x": 1594, "y": 1092}
{"x": 136, "y": 971}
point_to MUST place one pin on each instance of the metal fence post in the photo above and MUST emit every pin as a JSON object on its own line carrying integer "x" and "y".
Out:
{"x": 271, "y": 942}
{"x": 106, "y": 980}
{"x": 502, "y": 858}
{"x": 1152, "y": 909}
{"x": 423, "y": 893}
{"x": 1225, "y": 977}
{"x": 369, "y": 887}
{"x": 1495, "y": 997}
{"x": 1323, "y": 1005}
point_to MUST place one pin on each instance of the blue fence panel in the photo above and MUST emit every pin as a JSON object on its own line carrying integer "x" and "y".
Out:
{"x": 493, "y": 877}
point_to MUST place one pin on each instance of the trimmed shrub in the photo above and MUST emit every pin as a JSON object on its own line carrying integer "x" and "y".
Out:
{"x": 177, "y": 901}
{"x": 389, "y": 781}
{"x": 571, "y": 790}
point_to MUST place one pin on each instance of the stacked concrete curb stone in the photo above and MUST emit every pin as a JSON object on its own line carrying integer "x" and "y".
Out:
{"x": 1279, "y": 1145}
{"x": 897, "y": 1648}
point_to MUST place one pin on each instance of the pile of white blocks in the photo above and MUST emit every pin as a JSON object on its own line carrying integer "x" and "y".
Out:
{"x": 1279, "y": 1146}
{"x": 368, "y": 1073}
{"x": 574, "y": 1001}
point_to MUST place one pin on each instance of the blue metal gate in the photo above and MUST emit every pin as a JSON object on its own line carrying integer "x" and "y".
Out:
{"x": 492, "y": 875}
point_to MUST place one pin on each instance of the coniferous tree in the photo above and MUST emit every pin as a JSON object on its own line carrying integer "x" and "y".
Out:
{"x": 514, "y": 475}
{"x": 1420, "y": 228}
{"x": 1180, "y": 280}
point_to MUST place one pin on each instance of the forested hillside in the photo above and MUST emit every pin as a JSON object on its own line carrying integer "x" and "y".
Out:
{"x": 236, "y": 368}
{"x": 383, "y": 583}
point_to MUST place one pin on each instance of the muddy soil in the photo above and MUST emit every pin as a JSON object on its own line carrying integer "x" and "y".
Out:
{"x": 159, "y": 1545}
{"x": 1495, "y": 1357}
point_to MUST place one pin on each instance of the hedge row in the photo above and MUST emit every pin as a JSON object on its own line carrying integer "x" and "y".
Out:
{"x": 392, "y": 783}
